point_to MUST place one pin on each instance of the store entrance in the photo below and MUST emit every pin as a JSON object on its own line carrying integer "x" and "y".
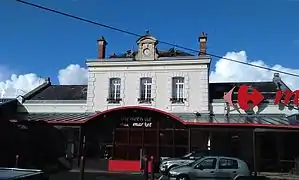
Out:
{"x": 128, "y": 143}
{"x": 128, "y": 132}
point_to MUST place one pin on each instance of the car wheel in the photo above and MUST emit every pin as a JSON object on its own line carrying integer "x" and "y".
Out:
{"x": 182, "y": 177}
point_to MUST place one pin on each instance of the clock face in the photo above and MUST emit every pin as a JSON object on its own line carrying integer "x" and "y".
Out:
{"x": 146, "y": 52}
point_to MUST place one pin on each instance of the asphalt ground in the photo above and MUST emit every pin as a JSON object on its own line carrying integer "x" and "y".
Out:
{"x": 130, "y": 176}
{"x": 96, "y": 176}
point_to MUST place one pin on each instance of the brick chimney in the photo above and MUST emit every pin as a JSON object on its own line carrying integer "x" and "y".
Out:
{"x": 102, "y": 43}
{"x": 202, "y": 44}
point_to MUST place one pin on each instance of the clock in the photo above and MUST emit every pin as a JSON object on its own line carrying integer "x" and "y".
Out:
{"x": 146, "y": 52}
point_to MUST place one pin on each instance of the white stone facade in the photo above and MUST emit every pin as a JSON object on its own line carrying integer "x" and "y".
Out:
{"x": 194, "y": 70}
{"x": 161, "y": 70}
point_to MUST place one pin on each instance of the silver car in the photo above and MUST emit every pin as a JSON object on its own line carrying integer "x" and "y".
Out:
{"x": 211, "y": 168}
{"x": 169, "y": 163}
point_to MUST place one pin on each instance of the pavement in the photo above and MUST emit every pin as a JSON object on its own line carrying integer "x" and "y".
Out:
{"x": 279, "y": 176}
{"x": 103, "y": 175}
{"x": 96, "y": 176}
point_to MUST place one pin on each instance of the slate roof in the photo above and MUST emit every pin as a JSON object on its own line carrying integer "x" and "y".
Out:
{"x": 258, "y": 120}
{"x": 164, "y": 53}
{"x": 4, "y": 100}
{"x": 60, "y": 117}
{"x": 217, "y": 89}
{"x": 62, "y": 92}
{"x": 277, "y": 120}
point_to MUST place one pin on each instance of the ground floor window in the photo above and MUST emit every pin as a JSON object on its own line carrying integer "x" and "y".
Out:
{"x": 71, "y": 141}
{"x": 153, "y": 142}
{"x": 125, "y": 136}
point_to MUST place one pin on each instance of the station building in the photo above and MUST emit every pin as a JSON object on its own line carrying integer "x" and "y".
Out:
{"x": 159, "y": 102}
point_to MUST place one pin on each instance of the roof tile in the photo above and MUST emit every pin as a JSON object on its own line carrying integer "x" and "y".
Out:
{"x": 62, "y": 92}
{"x": 60, "y": 117}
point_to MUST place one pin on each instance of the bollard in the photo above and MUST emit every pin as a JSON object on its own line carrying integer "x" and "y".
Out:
{"x": 152, "y": 168}
{"x": 142, "y": 164}
{"x": 82, "y": 166}
{"x": 145, "y": 169}
{"x": 17, "y": 161}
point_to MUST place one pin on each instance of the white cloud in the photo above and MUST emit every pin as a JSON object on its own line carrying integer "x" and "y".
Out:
{"x": 21, "y": 84}
{"x": 73, "y": 75}
{"x": 224, "y": 71}
{"x": 228, "y": 71}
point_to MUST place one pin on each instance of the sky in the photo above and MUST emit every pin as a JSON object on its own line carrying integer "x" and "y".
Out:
{"x": 35, "y": 43}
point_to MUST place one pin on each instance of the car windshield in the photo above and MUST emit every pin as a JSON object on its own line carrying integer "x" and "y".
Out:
{"x": 186, "y": 155}
{"x": 195, "y": 154}
{"x": 193, "y": 163}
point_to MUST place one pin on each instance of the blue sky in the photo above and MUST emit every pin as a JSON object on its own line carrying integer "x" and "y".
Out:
{"x": 33, "y": 40}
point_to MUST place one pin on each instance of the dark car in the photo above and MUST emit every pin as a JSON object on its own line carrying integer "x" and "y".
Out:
{"x": 24, "y": 174}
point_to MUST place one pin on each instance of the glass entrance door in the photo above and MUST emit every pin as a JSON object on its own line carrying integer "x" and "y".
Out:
{"x": 136, "y": 143}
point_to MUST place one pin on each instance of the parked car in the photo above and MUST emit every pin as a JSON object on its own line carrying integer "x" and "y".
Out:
{"x": 212, "y": 168}
{"x": 24, "y": 174}
{"x": 168, "y": 163}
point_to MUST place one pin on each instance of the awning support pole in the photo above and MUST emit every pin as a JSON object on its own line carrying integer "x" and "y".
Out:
{"x": 80, "y": 146}
{"x": 254, "y": 153}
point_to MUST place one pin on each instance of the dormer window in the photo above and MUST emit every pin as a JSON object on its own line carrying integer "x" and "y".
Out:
{"x": 114, "y": 91}
{"x": 177, "y": 90}
{"x": 147, "y": 48}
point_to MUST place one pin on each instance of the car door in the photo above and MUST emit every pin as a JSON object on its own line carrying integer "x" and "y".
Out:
{"x": 205, "y": 169}
{"x": 227, "y": 168}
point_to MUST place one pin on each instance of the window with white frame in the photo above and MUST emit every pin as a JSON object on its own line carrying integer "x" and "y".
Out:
{"x": 178, "y": 90}
{"x": 145, "y": 90}
{"x": 114, "y": 90}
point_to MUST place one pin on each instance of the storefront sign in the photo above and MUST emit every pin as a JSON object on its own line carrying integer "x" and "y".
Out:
{"x": 136, "y": 121}
{"x": 257, "y": 97}
{"x": 142, "y": 124}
